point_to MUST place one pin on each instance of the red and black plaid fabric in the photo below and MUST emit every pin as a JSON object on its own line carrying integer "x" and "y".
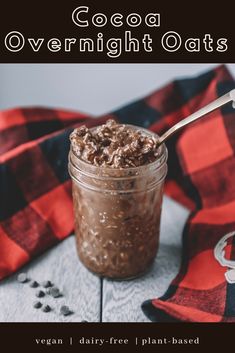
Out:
{"x": 35, "y": 188}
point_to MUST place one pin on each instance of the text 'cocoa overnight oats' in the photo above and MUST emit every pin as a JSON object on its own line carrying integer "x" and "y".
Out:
{"x": 118, "y": 174}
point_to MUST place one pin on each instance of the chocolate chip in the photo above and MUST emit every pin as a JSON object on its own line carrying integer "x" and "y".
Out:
{"x": 22, "y": 277}
{"x": 34, "y": 284}
{"x": 37, "y": 305}
{"x": 46, "y": 308}
{"x": 55, "y": 292}
{"x": 84, "y": 321}
{"x": 47, "y": 284}
{"x": 40, "y": 294}
{"x": 64, "y": 310}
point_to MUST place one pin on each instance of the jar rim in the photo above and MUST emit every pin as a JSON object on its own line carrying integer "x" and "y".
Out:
{"x": 156, "y": 164}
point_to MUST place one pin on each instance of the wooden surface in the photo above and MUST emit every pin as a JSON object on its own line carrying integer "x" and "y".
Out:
{"x": 81, "y": 289}
{"x": 89, "y": 297}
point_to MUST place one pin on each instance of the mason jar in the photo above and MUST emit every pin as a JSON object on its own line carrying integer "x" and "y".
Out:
{"x": 117, "y": 214}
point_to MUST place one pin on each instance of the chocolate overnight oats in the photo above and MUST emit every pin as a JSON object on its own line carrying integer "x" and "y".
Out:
{"x": 118, "y": 174}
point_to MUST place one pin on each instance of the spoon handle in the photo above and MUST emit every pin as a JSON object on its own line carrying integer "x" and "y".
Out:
{"x": 228, "y": 97}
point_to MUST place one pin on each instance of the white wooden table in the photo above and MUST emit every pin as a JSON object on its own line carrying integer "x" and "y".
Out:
{"x": 91, "y": 298}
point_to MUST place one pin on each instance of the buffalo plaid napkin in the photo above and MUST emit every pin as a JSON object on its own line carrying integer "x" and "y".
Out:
{"x": 35, "y": 188}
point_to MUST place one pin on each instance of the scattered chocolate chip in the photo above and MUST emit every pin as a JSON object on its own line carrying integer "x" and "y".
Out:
{"x": 22, "y": 277}
{"x": 55, "y": 292}
{"x": 64, "y": 310}
{"x": 47, "y": 284}
{"x": 37, "y": 305}
{"x": 46, "y": 308}
{"x": 34, "y": 284}
{"x": 84, "y": 321}
{"x": 40, "y": 294}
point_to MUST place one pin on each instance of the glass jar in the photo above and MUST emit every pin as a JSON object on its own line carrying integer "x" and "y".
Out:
{"x": 117, "y": 214}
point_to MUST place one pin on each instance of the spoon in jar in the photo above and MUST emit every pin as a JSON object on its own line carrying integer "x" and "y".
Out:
{"x": 228, "y": 97}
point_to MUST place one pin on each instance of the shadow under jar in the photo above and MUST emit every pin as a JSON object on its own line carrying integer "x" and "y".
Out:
{"x": 117, "y": 214}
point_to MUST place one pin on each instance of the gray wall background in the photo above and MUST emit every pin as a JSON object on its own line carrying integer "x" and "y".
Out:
{"x": 90, "y": 88}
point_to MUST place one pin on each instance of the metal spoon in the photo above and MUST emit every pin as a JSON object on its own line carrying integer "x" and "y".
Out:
{"x": 228, "y": 97}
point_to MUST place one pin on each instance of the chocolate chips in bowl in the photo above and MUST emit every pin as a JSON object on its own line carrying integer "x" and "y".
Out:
{"x": 118, "y": 174}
